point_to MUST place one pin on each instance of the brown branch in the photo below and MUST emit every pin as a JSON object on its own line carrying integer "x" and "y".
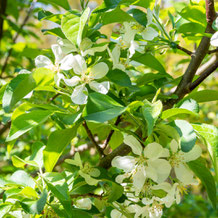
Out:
{"x": 203, "y": 76}
{"x": 202, "y": 50}
{"x": 3, "y": 6}
{"x": 122, "y": 150}
{"x": 213, "y": 51}
{"x": 210, "y": 11}
{"x": 17, "y": 35}
{"x": 91, "y": 137}
{"x": 89, "y": 195}
{"x": 184, "y": 50}
{"x": 5, "y": 127}
{"x": 111, "y": 132}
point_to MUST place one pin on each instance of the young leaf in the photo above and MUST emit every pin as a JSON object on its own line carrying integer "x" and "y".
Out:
{"x": 18, "y": 88}
{"x": 57, "y": 185}
{"x": 63, "y": 3}
{"x": 150, "y": 61}
{"x": 151, "y": 112}
{"x": 27, "y": 121}
{"x": 187, "y": 134}
{"x": 201, "y": 171}
{"x": 175, "y": 111}
{"x": 119, "y": 77}
{"x": 57, "y": 142}
{"x": 101, "y": 108}
{"x": 204, "y": 95}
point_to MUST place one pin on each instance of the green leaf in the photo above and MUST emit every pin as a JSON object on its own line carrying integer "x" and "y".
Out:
{"x": 35, "y": 207}
{"x": 5, "y": 208}
{"x": 18, "y": 88}
{"x": 83, "y": 20}
{"x": 57, "y": 142}
{"x": 195, "y": 14}
{"x": 204, "y": 96}
{"x": 22, "y": 178}
{"x": 57, "y": 185}
{"x": 20, "y": 163}
{"x": 43, "y": 77}
{"x": 112, "y": 3}
{"x": 187, "y": 134}
{"x": 190, "y": 105}
{"x": 72, "y": 25}
{"x": 151, "y": 113}
{"x": 150, "y": 61}
{"x": 209, "y": 133}
{"x": 116, "y": 139}
{"x": 115, "y": 192}
{"x": 101, "y": 108}
{"x": 116, "y": 16}
{"x": 139, "y": 16}
{"x": 202, "y": 172}
{"x": 55, "y": 32}
{"x": 80, "y": 213}
{"x": 191, "y": 28}
{"x": 119, "y": 77}
{"x": 63, "y": 3}
{"x": 68, "y": 119}
{"x": 27, "y": 121}
{"x": 175, "y": 111}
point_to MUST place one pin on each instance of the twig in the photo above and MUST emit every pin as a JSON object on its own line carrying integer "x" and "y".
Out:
{"x": 111, "y": 132}
{"x": 197, "y": 58}
{"x": 91, "y": 137}
{"x": 203, "y": 76}
{"x": 184, "y": 50}
{"x": 213, "y": 51}
{"x": 54, "y": 97}
{"x": 3, "y": 7}
{"x": 122, "y": 150}
{"x": 91, "y": 195}
{"x": 5, "y": 127}
{"x": 17, "y": 34}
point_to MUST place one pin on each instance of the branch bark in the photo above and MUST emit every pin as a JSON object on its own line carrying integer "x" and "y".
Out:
{"x": 17, "y": 35}
{"x": 91, "y": 137}
{"x": 197, "y": 58}
{"x": 203, "y": 76}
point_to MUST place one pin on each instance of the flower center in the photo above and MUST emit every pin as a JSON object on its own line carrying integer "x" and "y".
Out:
{"x": 176, "y": 159}
{"x": 156, "y": 208}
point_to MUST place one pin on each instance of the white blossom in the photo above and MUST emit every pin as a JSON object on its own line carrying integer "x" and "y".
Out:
{"x": 178, "y": 160}
{"x": 214, "y": 39}
{"x": 84, "y": 203}
{"x": 86, "y": 76}
{"x": 148, "y": 163}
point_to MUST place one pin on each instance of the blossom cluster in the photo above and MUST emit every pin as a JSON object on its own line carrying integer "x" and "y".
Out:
{"x": 155, "y": 177}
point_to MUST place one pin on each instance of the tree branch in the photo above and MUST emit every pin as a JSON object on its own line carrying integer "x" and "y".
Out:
{"x": 183, "y": 87}
{"x": 213, "y": 51}
{"x": 91, "y": 137}
{"x": 17, "y": 34}
{"x": 111, "y": 132}
{"x": 89, "y": 195}
{"x": 184, "y": 50}
{"x": 3, "y": 7}
{"x": 203, "y": 76}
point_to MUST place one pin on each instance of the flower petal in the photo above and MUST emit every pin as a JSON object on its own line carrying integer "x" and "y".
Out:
{"x": 214, "y": 39}
{"x": 119, "y": 179}
{"x": 174, "y": 146}
{"x": 126, "y": 163}
{"x": 153, "y": 150}
{"x": 79, "y": 64}
{"x": 184, "y": 174}
{"x": 99, "y": 70}
{"x": 162, "y": 168}
{"x": 66, "y": 46}
{"x": 91, "y": 51}
{"x": 132, "y": 48}
{"x": 193, "y": 154}
{"x": 149, "y": 34}
{"x": 57, "y": 78}
{"x": 84, "y": 203}
{"x": 67, "y": 62}
{"x": 78, "y": 96}
{"x": 139, "y": 177}
{"x": 102, "y": 87}
{"x": 132, "y": 142}
{"x": 73, "y": 81}
{"x": 43, "y": 61}
{"x": 56, "y": 49}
